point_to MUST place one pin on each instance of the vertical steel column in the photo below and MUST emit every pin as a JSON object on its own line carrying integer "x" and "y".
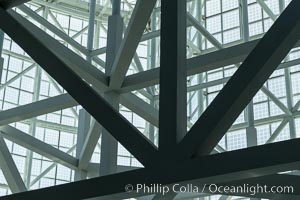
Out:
{"x": 32, "y": 130}
{"x": 173, "y": 94}
{"x": 289, "y": 88}
{"x": 1, "y": 41}
{"x": 244, "y": 17}
{"x": 200, "y": 77}
{"x": 109, "y": 146}
{"x": 83, "y": 128}
{"x": 116, "y": 7}
{"x": 151, "y": 66}
{"x": 1, "y": 49}
{"x": 290, "y": 102}
{"x": 97, "y": 35}
{"x": 281, "y": 5}
{"x": 250, "y": 130}
{"x": 37, "y": 86}
{"x": 84, "y": 116}
{"x": 91, "y": 28}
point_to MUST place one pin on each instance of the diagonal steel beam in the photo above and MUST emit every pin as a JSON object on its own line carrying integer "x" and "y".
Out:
{"x": 48, "y": 169}
{"x": 10, "y": 81}
{"x": 265, "y": 8}
{"x": 53, "y": 28}
{"x": 275, "y": 100}
{"x": 243, "y": 85}
{"x": 10, "y": 170}
{"x": 89, "y": 145}
{"x": 40, "y": 47}
{"x": 236, "y": 165}
{"x": 64, "y": 101}
{"x": 140, "y": 16}
{"x": 140, "y": 107}
{"x": 82, "y": 68}
{"x": 278, "y": 130}
{"x": 6, "y": 4}
{"x": 38, "y": 108}
{"x": 38, "y": 146}
{"x": 203, "y": 31}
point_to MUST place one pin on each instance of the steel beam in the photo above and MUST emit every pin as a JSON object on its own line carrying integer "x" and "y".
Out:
{"x": 1, "y": 51}
{"x": 88, "y": 71}
{"x": 203, "y": 31}
{"x": 60, "y": 91}
{"x": 64, "y": 101}
{"x": 139, "y": 18}
{"x": 172, "y": 98}
{"x": 199, "y": 64}
{"x": 109, "y": 145}
{"x": 40, "y": 47}
{"x": 38, "y": 108}
{"x": 83, "y": 128}
{"x": 236, "y": 165}
{"x": 80, "y": 66}
{"x": 265, "y": 8}
{"x": 195, "y": 65}
{"x": 276, "y": 100}
{"x": 152, "y": 47}
{"x": 10, "y": 81}
{"x": 243, "y": 85}
{"x": 38, "y": 146}
{"x": 10, "y": 170}
{"x": 278, "y": 130}
{"x": 89, "y": 145}
{"x": 53, "y": 28}
{"x": 140, "y": 107}
{"x": 91, "y": 29}
{"x": 6, "y": 4}
{"x": 47, "y": 170}
{"x": 93, "y": 169}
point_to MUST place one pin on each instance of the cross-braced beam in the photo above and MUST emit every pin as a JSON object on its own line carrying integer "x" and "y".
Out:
{"x": 243, "y": 85}
{"x": 57, "y": 60}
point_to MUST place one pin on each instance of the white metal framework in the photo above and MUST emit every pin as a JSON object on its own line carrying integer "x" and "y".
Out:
{"x": 115, "y": 48}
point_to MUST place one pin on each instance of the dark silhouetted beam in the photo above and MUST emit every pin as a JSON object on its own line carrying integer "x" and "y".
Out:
{"x": 172, "y": 98}
{"x": 236, "y": 165}
{"x": 244, "y": 84}
{"x": 6, "y": 4}
{"x": 49, "y": 54}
